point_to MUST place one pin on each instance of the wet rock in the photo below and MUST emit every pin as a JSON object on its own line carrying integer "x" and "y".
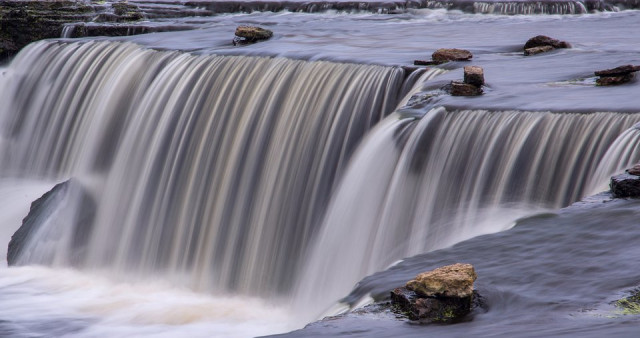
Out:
{"x": 614, "y": 80}
{"x": 251, "y": 34}
{"x": 474, "y": 75}
{"x": 538, "y": 50}
{"x": 441, "y": 295}
{"x": 629, "y": 305}
{"x": 618, "y": 71}
{"x": 625, "y": 185}
{"x": 425, "y": 63}
{"x": 457, "y": 88}
{"x": 542, "y": 40}
{"x": 451, "y": 54}
{"x": 55, "y": 207}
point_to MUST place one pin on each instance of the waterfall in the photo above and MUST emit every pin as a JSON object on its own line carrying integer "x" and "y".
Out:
{"x": 530, "y": 8}
{"x": 419, "y": 185}
{"x": 213, "y": 169}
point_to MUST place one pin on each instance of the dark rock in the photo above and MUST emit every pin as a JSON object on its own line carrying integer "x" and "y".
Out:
{"x": 635, "y": 170}
{"x": 474, "y": 75}
{"x": 618, "y": 71}
{"x": 625, "y": 185}
{"x": 251, "y": 34}
{"x": 457, "y": 88}
{"x": 451, "y": 54}
{"x": 538, "y": 50}
{"x": 542, "y": 40}
{"x": 49, "y": 209}
{"x": 614, "y": 80}
{"x": 425, "y": 63}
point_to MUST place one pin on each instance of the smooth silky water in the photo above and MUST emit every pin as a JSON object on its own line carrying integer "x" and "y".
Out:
{"x": 241, "y": 194}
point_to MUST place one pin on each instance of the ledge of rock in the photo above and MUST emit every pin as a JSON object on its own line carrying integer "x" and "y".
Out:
{"x": 441, "y": 295}
{"x": 538, "y": 50}
{"x": 625, "y": 185}
{"x": 457, "y": 88}
{"x": 451, "y": 54}
{"x": 616, "y": 76}
{"x": 66, "y": 203}
{"x": 251, "y": 34}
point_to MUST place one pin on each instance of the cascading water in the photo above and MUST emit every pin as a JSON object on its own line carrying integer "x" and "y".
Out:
{"x": 450, "y": 176}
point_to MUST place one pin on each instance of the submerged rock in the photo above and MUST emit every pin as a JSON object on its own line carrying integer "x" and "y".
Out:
{"x": 441, "y": 295}
{"x": 625, "y": 185}
{"x": 457, "y": 88}
{"x": 251, "y": 34}
{"x": 474, "y": 75}
{"x": 629, "y": 305}
{"x": 538, "y": 50}
{"x": 616, "y": 76}
{"x": 614, "y": 80}
{"x": 451, "y": 54}
{"x": 47, "y": 210}
{"x": 543, "y": 40}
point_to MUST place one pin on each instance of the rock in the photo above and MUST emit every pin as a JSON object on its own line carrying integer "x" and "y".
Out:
{"x": 457, "y": 88}
{"x": 53, "y": 209}
{"x": 538, "y": 50}
{"x": 618, "y": 71}
{"x": 251, "y": 34}
{"x": 474, "y": 75}
{"x": 635, "y": 170}
{"x": 614, "y": 80}
{"x": 441, "y": 295}
{"x": 542, "y": 40}
{"x": 425, "y": 63}
{"x": 625, "y": 185}
{"x": 448, "y": 281}
{"x": 451, "y": 54}
{"x": 629, "y": 305}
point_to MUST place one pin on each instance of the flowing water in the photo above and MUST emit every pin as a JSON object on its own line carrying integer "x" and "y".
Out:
{"x": 244, "y": 191}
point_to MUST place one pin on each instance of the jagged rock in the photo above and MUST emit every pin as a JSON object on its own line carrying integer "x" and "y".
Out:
{"x": 618, "y": 71}
{"x": 451, "y": 54}
{"x": 47, "y": 210}
{"x": 538, "y": 50}
{"x": 441, "y": 295}
{"x": 635, "y": 170}
{"x": 457, "y": 88}
{"x": 542, "y": 40}
{"x": 614, "y": 80}
{"x": 625, "y": 185}
{"x": 251, "y": 34}
{"x": 474, "y": 75}
{"x": 448, "y": 281}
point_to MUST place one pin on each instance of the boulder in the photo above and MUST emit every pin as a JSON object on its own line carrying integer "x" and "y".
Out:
{"x": 457, "y": 88}
{"x": 451, "y": 54}
{"x": 614, "y": 80}
{"x": 474, "y": 75}
{"x": 448, "y": 281}
{"x": 251, "y": 34}
{"x": 442, "y": 295}
{"x": 635, "y": 170}
{"x": 538, "y": 50}
{"x": 50, "y": 210}
{"x": 542, "y": 40}
{"x": 625, "y": 185}
{"x": 621, "y": 70}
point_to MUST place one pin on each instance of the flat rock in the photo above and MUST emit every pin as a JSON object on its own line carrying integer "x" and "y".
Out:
{"x": 618, "y": 71}
{"x": 474, "y": 75}
{"x": 451, "y": 54}
{"x": 250, "y": 34}
{"x": 543, "y": 40}
{"x": 448, "y": 281}
{"x": 625, "y": 185}
{"x": 457, "y": 88}
{"x": 538, "y": 50}
{"x": 635, "y": 170}
{"x": 614, "y": 80}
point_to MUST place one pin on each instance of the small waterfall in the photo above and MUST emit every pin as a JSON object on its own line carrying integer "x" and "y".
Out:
{"x": 68, "y": 30}
{"x": 530, "y": 8}
{"x": 419, "y": 185}
{"x": 212, "y": 169}
{"x": 623, "y": 153}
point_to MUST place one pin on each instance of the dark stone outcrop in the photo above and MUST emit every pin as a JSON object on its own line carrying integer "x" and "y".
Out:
{"x": 442, "y": 295}
{"x": 625, "y": 185}
{"x": 635, "y": 170}
{"x": 251, "y": 34}
{"x": 614, "y": 80}
{"x": 621, "y": 70}
{"x": 542, "y": 40}
{"x": 474, "y": 75}
{"x": 62, "y": 195}
{"x": 538, "y": 50}
{"x": 443, "y": 55}
{"x": 457, "y": 88}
